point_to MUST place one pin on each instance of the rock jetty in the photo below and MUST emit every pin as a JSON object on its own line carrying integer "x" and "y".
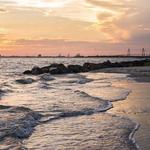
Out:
{"x": 86, "y": 67}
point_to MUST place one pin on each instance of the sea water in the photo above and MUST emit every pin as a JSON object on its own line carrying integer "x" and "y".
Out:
{"x": 74, "y": 107}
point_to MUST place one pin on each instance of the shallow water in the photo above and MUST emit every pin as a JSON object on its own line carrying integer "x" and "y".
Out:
{"x": 99, "y": 131}
{"x": 72, "y": 106}
{"x": 137, "y": 107}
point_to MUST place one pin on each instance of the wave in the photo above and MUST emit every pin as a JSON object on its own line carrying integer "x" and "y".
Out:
{"x": 131, "y": 136}
{"x": 82, "y": 104}
{"x": 109, "y": 93}
{"x": 20, "y": 123}
{"x": 77, "y": 79}
{"x": 98, "y": 131}
{"x": 22, "y": 120}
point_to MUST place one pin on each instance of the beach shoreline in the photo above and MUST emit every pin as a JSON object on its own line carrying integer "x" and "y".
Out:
{"x": 140, "y": 74}
{"x": 136, "y": 105}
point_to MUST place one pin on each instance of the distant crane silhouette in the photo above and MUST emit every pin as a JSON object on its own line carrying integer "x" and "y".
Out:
{"x": 143, "y": 52}
{"x": 129, "y": 52}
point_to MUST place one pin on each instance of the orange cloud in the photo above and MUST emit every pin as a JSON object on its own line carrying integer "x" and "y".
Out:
{"x": 108, "y": 20}
{"x": 98, "y": 21}
{"x": 3, "y": 10}
{"x": 111, "y": 5}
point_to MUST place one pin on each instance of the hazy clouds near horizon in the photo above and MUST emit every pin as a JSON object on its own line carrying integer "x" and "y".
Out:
{"x": 30, "y": 27}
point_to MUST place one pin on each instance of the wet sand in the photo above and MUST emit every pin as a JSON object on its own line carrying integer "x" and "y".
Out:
{"x": 136, "y": 106}
{"x": 140, "y": 74}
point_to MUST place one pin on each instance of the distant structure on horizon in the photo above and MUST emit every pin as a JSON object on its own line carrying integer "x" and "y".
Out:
{"x": 143, "y": 52}
{"x": 39, "y": 55}
{"x": 129, "y": 52}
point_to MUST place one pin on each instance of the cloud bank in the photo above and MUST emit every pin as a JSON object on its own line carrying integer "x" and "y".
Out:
{"x": 102, "y": 23}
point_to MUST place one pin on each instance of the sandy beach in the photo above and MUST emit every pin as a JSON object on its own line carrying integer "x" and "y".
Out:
{"x": 136, "y": 105}
{"x": 140, "y": 74}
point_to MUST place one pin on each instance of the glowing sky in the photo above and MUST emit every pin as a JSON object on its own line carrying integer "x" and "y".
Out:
{"x": 89, "y": 27}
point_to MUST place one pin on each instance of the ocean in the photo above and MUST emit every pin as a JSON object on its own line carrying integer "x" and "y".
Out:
{"x": 92, "y": 110}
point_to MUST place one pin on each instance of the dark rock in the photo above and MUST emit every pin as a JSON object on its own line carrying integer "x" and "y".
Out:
{"x": 147, "y": 63}
{"x": 47, "y": 77}
{"x": 91, "y": 66}
{"x": 4, "y": 107}
{"x": 36, "y": 70}
{"x": 28, "y": 72}
{"x": 138, "y": 63}
{"x": 25, "y": 81}
{"x": 62, "y": 69}
{"x": 116, "y": 64}
{"x": 58, "y": 69}
{"x": 76, "y": 68}
{"x": 54, "y": 70}
{"x": 106, "y": 64}
{"x": 55, "y": 65}
{"x": 45, "y": 69}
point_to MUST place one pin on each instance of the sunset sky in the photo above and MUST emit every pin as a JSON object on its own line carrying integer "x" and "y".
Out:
{"x": 89, "y": 27}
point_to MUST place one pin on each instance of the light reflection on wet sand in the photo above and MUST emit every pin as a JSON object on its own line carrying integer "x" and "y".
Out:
{"x": 136, "y": 107}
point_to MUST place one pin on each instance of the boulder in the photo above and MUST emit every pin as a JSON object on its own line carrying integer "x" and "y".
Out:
{"x": 36, "y": 70}
{"x": 91, "y": 66}
{"x": 139, "y": 63}
{"x": 106, "y": 64}
{"x": 54, "y": 70}
{"x": 25, "y": 81}
{"x": 27, "y": 72}
{"x": 116, "y": 64}
{"x": 76, "y": 68}
{"x": 58, "y": 69}
{"x": 45, "y": 69}
{"x": 55, "y": 65}
{"x": 47, "y": 77}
